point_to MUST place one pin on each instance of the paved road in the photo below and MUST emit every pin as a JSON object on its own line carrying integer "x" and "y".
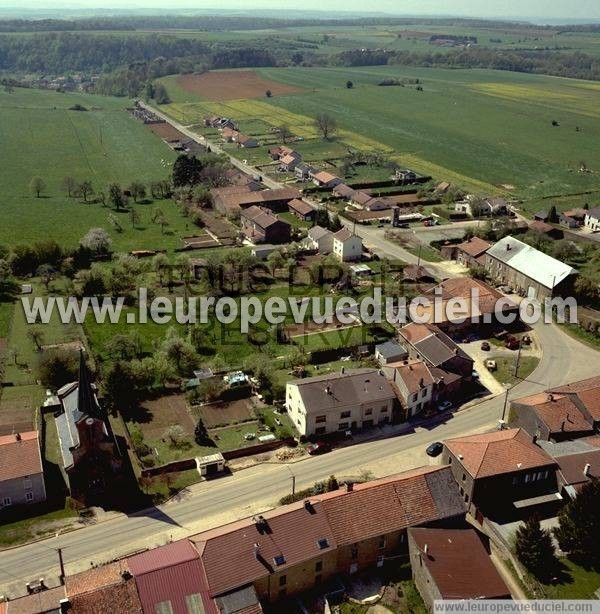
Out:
{"x": 216, "y": 148}
{"x": 258, "y": 488}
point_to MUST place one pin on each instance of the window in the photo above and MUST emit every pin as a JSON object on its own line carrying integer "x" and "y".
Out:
{"x": 354, "y": 552}
{"x": 343, "y": 426}
{"x": 6, "y": 501}
{"x": 29, "y": 496}
{"x": 382, "y": 542}
{"x": 320, "y": 419}
{"x": 449, "y": 460}
{"x": 466, "y": 498}
{"x": 345, "y": 414}
{"x": 368, "y": 412}
{"x": 424, "y": 392}
{"x": 353, "y": 567}
{"x": 464, "y": 477}
{"x": 515, "y": 480}
{"x": 282, "y": 580}
{"x": 380, "y": 560}
{"x": 318, "y": 566}
{"x": 384, "y": 410}
{"x": 279, "y": 560}
{"x": 321, "y": 430}
{"x": 194, "y": 604}
{"x": 414, "y": 397}
{"x": 323, "y": 543}
{"x": 27, "y": 483}
{"x": 164, "y": 607}
{"x": 462, "y": 491}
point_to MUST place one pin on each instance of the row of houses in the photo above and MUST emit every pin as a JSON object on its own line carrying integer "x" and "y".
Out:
{"x": 343, "y": 244}
{"x": 292, "y": 161}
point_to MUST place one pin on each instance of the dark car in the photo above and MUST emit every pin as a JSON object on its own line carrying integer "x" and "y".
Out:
{"x": 435, "y": 449}
{"x": 319, "y": 448}
{"x": 485, "y": 346}
{"x": 512, "y": 343}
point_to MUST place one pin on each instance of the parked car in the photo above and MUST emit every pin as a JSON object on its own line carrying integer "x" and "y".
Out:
{"x": 321, "y": 447}
{"x": 435, "y": 449}
{"x": 444, "y": 406}
{"x": 491, "y": 365}
{"x": 512, "y": 343}
{"x": 485, "y": 346}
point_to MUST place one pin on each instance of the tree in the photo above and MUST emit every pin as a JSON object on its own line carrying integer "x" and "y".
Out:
{"x": 275, "y": 260}
{"x": 201, "y": 435}
{"x": 553, "y": 215}
{"x": 138, "y": 190}
{"x": 285, "y": 134}
{"x": 269, "y": 94}
{"x": 123, "y": 347}
{"x": 349, "y": 85}
{"x": 115, "y": 222}
{"x": 160, "y": 263}
{"x": 134, "y": 217}
{"x": 47, "y": 273}
{"x": 578, "y": 530}
{"x": 187, "y": 170}
{"x": 175, "y": 436}
{"x": 37, "y": 185}
{"x": 326, "y": 125}
{"x": 124, "y": 384}
{"x": 36, "y": 335}
{"x": 97, "y": 241}
{"x": 8, "y": 285}
{"x": 116, "y": 197}
{"x": 180, "y": 353}
{"x": 210, "y": 389}
{"x": 160, "y": 94}
{"x": 57, "y": 368}
{"x": 534, "y": 548}
{"x": 332, "y": 484}
{"x": 586, "y": 288}
{"x": 69, "y": 185}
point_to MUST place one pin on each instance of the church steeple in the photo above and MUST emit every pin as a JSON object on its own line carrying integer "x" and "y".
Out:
{"x": 86, "y": 398}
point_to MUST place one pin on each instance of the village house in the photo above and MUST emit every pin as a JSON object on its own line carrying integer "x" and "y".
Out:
{"x": 480, "y": 207}
{"x": 259, "y": 225}
{"x": 319, "y": 239}
{"x": 360, "y": 199}
{"x": 567, "y": 221}
{"x": 592, "y": 219}
{"x": 346, "y": 245}
{"x": 428, "y": 343}
{"x": 301, "y": 209}
{"x": 231, "y": 203}
{"x": 528, "y": 270}
{"x": 577, "y": 467}
{"x": 482, "y": 306}
{"x": 501, "y": 472}
{"x": 343, "y": 191}
{"x": 453, "y": 564}
{"x": 21, "y": 470}
{"x": 404, "y": 176}
{"x": 560, "y": 413}
{"x": 348, "y": 399}
{"x": 541, "y": 216}
{"x": 546, "y": 229}
{"x": 421, "y": 386}
{"x": 390, "y": 352}
{"x": 276, "y": 153}
{"x": 323, "y": 179}
{"x": 246, "y": 142}
{"x": 303, "y": 171}
{"x": 471, "y": 253}
{"x": 289, "y": 162}
{"x": 90, "y": 454}
{"x": 417, "y": 274}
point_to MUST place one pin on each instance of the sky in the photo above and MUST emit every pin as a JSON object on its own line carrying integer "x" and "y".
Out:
{"x": 550, "y": 9}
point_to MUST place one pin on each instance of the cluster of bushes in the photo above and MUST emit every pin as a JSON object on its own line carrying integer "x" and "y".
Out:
{"x": 318, "y": 488}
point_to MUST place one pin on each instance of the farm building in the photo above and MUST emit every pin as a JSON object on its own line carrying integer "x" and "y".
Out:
{"x": 276, "y": 200}
{"x": 301, "y": 209}
{"x": 289, "y": 162}
{"x": 320, "y": 239}
{"x": 546, "y": 229}
{"x": 567, "y": 221}
{"x": 303, "y": 171}
{"x": 259, "y": 225}
{"x": 528, "y": 270}
{"x": 325, "y": 180}
{"x": 343, "y": 191}
{"x": 471, "y": 252}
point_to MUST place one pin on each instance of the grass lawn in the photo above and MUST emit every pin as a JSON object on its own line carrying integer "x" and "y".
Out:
{"x": 295, "y": 221}
{"x": 426, "y": 253}
{"x": 581, "y": 583}
{"x": 344, "y": 337}
{"x": 42, "y": 137}
{"x": 23, "y": 531}
{"x": 6, "y": 313}
{"x": 506, "y": 368}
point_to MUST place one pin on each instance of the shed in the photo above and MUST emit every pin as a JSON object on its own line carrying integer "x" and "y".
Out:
{"x": 211, "y": 464}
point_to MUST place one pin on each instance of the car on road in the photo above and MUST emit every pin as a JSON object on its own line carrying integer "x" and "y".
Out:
{"x": 485, "y": 346}
{"x": 444, "y": 406}
{"x": 321, "y": 447}
{"x": 435, "y": 449}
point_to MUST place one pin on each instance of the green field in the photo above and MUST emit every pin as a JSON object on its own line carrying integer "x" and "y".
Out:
{"x": 40, "y": 136}
{"x": 488, "y": 131}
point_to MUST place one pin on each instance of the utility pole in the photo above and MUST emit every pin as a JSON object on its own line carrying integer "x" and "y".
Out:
{"x": 503, "y": 419}
{"x": 518, "y": 361}
{"x": 293, "y": 480}
{"x": 62, "y": 565}
{"x": 419, "y": 258}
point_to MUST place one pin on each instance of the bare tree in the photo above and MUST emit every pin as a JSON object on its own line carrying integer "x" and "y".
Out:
{"x": 326, "y": 125}
{"x": 69, "y": 185}
{"x": 85, "y": 190}
{"x": 37, "y": 185}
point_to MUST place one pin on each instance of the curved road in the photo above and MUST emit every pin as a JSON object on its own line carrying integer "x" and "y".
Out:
{"x": 252, "y": 490}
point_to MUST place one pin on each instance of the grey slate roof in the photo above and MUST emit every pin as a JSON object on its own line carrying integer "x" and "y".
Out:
{"x": 391, "y": 349}
{"x": 353, "y": 387}
{"x": 437, "y": 348}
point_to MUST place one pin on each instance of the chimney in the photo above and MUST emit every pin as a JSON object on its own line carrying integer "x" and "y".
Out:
{"x": 508, "y": 247}
{"x": 349, "y": 486}
{"x": 421, "y": 383}
{"x": 562, "y": 426}
{"x": 18, "y": 436}
{"x": 586, "y": 470}
{"x": 257, "y": 551}
{"x": 550, "y": 398}
{"x": 29, "y": 589}
{"x": 426, "y": 548}
{"x": 64, "y": 605}
{"x": 534, "y": 439}
{"x": 327, "y": 389}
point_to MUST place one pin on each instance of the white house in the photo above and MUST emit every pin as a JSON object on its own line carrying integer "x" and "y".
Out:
{"x": 321, "y": 239}
{"x": 592, "y": 219}
{"x": 346, "y": 245}
{"x": 352, "y": 399}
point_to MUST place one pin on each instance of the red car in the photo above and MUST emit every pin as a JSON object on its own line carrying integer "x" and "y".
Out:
{"x": 512, "y": 343}
{"x": 319, "y": 448}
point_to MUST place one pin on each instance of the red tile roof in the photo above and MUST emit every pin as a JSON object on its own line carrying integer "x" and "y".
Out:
{"x": 116, "y": 598}
{"x": 474, "y": 247}
{"x": 44, "y": 601}
{"x": 415, "y": 375}
{"x": 499, "y": 452}
{"x": 99, "y": 577}
{"x": 152, "y": 560}
{"x": 459, "y": 564}
{"x": 232, "y": 559}
{"x": 588, "y": 393}
{"x": 558, "y": 412}
{"x": 19, "y": 456}
{"x": 300, "y": 206}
